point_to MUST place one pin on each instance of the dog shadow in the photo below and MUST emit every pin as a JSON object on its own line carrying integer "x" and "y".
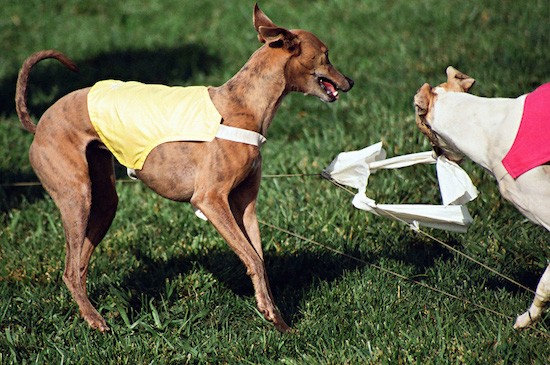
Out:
{"x": 291, "y": 275}
{"x": 50, "y": 80}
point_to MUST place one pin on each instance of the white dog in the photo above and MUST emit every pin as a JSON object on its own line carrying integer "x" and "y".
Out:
{"x": 496, "y": 134}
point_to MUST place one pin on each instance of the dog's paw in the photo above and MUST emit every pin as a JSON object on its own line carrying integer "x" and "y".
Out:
{"x": 523, "y": 321}
{"x": 283, "y": 327}
{"x": 97, "y": 322}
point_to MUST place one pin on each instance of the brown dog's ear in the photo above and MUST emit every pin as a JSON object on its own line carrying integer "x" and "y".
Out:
{"x": 458, "y": 81}
{"x": 261, "y": 20}
{"x": 278, "y": 38}
{"x": 273, "y": 35}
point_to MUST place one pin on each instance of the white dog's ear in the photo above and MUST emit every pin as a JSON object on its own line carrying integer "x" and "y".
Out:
{"x": 458, "y": 81}
{"x": 423, "y": 99}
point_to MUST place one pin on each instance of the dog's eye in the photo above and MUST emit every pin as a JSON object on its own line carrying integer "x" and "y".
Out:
{"x": 326, "y": 56}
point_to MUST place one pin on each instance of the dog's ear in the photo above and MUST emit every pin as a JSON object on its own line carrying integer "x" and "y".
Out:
{"x": 261, "y": 20}
{"x": 279, "y": 38}
{"x": 458, "y": 81}
{"x": 422, "y": 99}
{"x": 273, "y": 35}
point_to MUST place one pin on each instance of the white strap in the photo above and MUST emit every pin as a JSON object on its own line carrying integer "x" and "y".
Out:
{"x": 240, "y": 135}
{"x": 230, "y": 134}
{"x": 236, "y": 135}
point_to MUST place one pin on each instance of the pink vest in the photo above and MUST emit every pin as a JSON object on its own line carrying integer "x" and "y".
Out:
{"x": 531, "y": 147}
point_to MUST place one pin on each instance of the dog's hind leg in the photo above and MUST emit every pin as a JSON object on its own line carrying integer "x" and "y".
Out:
{"x": 542, "y": 297}
{"x": 58, "y": 156}
{"x": 104, "y": 204}
{"x": 78, "y": 248}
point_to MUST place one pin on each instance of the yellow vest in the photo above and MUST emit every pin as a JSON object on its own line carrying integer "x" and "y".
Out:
{"x": 132, "y": 118}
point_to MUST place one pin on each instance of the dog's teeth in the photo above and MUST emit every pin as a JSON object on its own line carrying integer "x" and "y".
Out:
{"x": 336, "y": 93}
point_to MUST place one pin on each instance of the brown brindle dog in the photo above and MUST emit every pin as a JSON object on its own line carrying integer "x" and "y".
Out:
{"x": 220, "y": 177}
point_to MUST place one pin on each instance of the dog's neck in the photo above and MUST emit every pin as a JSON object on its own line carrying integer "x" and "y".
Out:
{"x": 481, "y": 128}
{"x": 251, "y": 97}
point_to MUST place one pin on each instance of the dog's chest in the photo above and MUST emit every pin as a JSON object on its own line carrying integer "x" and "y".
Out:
{"x": 132, "y": 118}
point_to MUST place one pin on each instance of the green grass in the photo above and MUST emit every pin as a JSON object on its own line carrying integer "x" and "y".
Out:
{"x": 168, "y": 285}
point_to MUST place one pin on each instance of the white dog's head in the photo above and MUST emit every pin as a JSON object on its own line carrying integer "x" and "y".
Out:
{"x": 424, "y": 102}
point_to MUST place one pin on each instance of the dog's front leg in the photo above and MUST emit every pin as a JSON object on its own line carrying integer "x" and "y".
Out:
{"x": 542, "y": 297}
{"x": 242, "y": 201}
{"x": 243, "y": 206}
{"x": 215, "y": 205}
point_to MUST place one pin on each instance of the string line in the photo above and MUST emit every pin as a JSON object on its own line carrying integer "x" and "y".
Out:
{"x": 395, "y": 274}
{"x": 380, "y": 268}
{"x": 325, "y": 176}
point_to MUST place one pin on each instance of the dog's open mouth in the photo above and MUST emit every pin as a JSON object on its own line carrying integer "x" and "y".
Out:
{"x": 329, "y": 88}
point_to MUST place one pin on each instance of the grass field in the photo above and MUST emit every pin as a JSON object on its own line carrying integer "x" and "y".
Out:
{"x": 171, "y": 289}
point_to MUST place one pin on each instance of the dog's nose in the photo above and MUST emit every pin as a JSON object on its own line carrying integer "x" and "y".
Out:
{"x": 350, "y": 82}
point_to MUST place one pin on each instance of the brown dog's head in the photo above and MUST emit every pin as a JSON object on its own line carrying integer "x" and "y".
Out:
{"x": 308, "y": 69}
{"x": 424, "y": 102}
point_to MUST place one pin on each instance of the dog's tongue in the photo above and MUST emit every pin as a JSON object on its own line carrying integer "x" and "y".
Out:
{"x": 330, "y": 88}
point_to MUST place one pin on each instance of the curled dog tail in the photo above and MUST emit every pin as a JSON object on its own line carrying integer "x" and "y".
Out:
{"x": 23, "y": 79}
